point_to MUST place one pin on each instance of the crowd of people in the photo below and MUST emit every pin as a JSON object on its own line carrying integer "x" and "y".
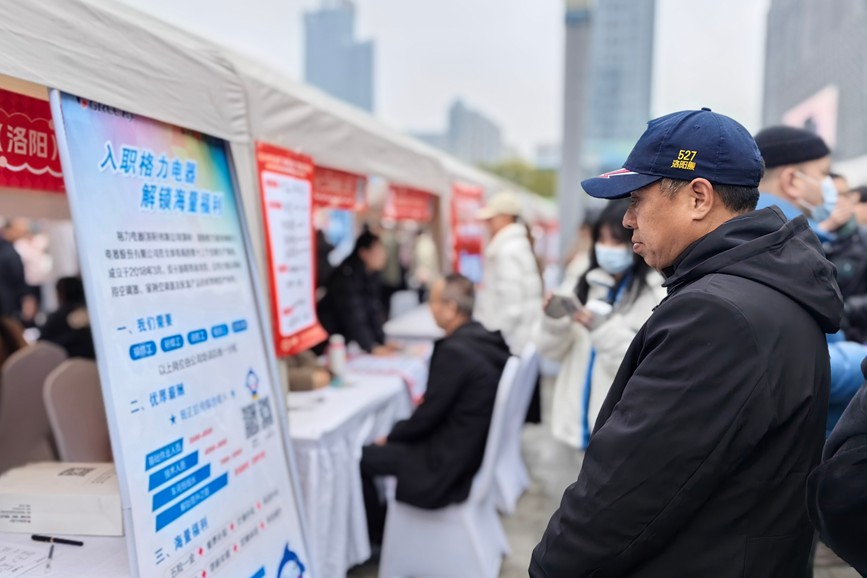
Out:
{"x": 710, "y": 336}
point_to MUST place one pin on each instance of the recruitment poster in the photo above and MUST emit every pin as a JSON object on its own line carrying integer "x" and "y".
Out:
{"x": 198, "y": 423}
{"x": 286, "y": 185}
{"x": 467, "y": 230}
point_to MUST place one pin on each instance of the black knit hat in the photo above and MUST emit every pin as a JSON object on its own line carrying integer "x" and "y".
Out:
{"x": 787, "y": 145}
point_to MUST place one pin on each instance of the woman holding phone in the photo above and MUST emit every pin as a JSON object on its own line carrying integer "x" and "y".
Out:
{"x": 589, "y": 328}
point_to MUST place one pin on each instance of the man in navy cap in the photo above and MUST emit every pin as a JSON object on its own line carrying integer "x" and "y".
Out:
{"x": 698, "y": 461}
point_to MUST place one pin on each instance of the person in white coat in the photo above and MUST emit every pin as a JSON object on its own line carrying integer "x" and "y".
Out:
{"x": 511, "y": 293}
{"x": 617, "y": 293}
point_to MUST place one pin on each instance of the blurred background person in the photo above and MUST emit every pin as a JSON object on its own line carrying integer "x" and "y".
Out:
{"x": 13, "y": 287}
{"x": 351, "y": 306}
{"x": 798, "y": 181}
{"x": 11, "y": 338}
{"x": 69, "y": 326}
{"x": 590, "y": 347}
{"x": 510, "y": 299}
{"x": 425, "y": 266}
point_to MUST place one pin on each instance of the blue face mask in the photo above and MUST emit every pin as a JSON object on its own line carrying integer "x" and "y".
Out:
{"x": 613, "y": 260}
{"x": 819, "y": 213}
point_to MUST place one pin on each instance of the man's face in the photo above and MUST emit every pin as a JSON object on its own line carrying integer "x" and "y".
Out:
{"x": 443, "y": 313}
{"x": 808, "y": 180}
{"x": 660, "y": 224}
{"x": 374, "y": 257}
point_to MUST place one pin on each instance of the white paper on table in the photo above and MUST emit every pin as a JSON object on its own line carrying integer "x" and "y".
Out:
{"x": 17, "y": 560}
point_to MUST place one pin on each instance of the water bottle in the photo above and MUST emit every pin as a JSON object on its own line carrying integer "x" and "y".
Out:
{"x": 337, "y": 356}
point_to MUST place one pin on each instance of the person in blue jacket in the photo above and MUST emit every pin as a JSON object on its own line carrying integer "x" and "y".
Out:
{"x": 798, "y": 181}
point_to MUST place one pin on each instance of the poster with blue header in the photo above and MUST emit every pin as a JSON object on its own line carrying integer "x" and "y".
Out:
{"x": 196, "y": 415}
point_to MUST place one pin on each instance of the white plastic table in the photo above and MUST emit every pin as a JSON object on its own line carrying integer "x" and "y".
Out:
{"x": 328, "y": 429}
{"x": 98, "y": 558}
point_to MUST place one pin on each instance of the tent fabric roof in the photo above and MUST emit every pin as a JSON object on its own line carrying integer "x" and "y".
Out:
{"x": 111, "y": 53}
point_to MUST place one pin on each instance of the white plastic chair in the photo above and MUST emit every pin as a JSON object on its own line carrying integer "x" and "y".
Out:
{"x": 459, "y": 541}
{"x": 73, "y": 400}
{"x": 512, "y": 478}
{"x": 25, "y": 435}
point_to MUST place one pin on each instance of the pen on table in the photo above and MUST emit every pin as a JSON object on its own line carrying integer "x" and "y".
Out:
{"x": 48, "y": 560}
{"x": 53, "y": 540}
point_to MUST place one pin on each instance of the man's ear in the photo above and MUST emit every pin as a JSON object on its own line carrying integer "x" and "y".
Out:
{"x": 702, "y": 198}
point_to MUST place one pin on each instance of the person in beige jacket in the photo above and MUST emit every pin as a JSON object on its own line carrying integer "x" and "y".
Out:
{"x": 618, "y": 292}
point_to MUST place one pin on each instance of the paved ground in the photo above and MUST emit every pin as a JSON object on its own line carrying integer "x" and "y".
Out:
{"x": 553, "y": 467}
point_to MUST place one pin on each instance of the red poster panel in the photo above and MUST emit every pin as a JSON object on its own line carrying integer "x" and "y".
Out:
{"x": 408, "y": 204}
{"x": 467, "y": 231}
{"x": 286, "y": 186}
{"x": 338, "y": 189}
{"x": 28, "y": 147}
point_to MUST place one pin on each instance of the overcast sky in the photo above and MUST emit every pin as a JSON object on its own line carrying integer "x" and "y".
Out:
{"x": 503, "y": 57}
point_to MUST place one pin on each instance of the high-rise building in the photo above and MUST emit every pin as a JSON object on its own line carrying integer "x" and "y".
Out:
{"x": 620, "y": 77}
{"x": 334, "y": 60}
{"x": 815, "y": 71}
{"x": 471, "y": 136}
{"x": 607, "y": 90}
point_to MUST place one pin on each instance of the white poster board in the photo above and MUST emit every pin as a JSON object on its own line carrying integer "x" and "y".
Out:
{"x": 197, "y": 418}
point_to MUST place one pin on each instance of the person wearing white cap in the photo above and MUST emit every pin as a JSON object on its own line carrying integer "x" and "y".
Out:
{"x": 511, "y": 294}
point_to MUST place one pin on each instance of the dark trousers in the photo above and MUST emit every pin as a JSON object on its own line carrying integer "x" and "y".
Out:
{"x": 378, "y": 461}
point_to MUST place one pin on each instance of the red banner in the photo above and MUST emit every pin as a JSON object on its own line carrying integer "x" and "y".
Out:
{"x": 286, "y": 187}
{"x": 467, "y": 231}
{"x": 28, "y": 147}
{"x": 338, "y": 189}
{"x": 407, "y": 204}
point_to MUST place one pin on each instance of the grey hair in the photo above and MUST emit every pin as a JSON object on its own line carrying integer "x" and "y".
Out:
{"x": 460, "y": 291}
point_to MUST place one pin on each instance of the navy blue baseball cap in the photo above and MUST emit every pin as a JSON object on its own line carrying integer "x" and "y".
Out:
{"x": 685, "y": 145}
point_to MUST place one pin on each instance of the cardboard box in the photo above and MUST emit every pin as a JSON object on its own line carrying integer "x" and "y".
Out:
{"x": 61, "y": 498}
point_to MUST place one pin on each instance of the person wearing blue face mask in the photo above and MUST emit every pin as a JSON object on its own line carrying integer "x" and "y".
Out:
{"x": 618, "y": 292}
{"x": 798, "y": 181}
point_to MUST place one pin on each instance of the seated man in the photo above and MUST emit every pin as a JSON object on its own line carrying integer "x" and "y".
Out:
{"x": 437, "y": 451}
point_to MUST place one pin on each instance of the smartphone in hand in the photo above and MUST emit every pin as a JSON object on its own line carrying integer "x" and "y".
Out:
{"x": 562, "y": 305}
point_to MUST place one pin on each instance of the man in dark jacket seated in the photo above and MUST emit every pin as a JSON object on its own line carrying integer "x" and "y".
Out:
{"x": 437, "y": 451}
{"x": 837, "y": 489}
{"x": 351, "y": 306}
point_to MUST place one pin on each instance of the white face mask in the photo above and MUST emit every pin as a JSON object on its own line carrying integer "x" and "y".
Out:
{"x": 614, "y": 260}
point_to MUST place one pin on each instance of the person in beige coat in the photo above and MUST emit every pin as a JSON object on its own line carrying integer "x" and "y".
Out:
{"x": 617, "y": 292}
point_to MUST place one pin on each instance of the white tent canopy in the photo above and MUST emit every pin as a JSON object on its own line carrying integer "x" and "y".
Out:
{"x": 336, "y": 135}
{"x": 105, "y": 51}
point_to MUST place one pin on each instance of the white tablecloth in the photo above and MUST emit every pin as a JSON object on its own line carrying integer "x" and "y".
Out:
{"x": 328, "y": 429}
{"x": 412, "y": 368}
{"x": 417, "y": 325}
{"x": 98, "y": 558}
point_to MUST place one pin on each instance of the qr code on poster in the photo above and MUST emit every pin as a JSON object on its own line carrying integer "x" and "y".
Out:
{"x": 77, "y": 472}
{"x": 251, "y": 419}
